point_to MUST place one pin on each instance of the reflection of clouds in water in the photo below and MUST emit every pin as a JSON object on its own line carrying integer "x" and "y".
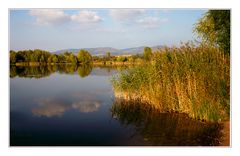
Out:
{"x": 50, "y": 107}
{"x": 87, "y": 106}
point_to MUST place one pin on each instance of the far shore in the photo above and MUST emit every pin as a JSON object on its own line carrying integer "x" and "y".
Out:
{"x": 107, "y": 63}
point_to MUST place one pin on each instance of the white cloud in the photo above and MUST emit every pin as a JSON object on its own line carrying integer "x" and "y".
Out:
{"x": 49, "y": 16}
{"x": 151, "y": 22}
{"x": 55, "y": 17}
{"x": 86, "y": 17}
{"x": 126, "y": 14}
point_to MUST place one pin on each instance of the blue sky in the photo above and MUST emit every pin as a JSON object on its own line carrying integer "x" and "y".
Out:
{"x": 55, "y": 29}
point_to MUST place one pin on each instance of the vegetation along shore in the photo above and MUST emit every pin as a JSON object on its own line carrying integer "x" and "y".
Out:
{"x": 192, "y": 79}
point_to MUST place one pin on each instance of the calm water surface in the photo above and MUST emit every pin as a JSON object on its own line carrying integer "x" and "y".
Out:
{"x": 70, "y": 105}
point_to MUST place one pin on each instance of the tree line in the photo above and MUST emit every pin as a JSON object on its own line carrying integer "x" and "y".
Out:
{"x": 213, "y": 29}
{"x": 44, "y": 57}
{"x": 38, "y": 56}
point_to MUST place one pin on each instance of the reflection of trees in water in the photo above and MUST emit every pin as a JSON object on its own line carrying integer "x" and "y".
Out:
{"x": 13, "y": 72}
{"x": 31, "y": 71}
{"x": 67, "y": 68}
{"x": 84, "y": 70}
{"x": 165, "y": 128}
{"x": 110, "y": 68}
{"x": 46, "y": 70}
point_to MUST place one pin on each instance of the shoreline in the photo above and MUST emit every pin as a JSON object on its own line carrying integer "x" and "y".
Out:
{"x": 225, "y": 140}
{"x": 93, "y": 63}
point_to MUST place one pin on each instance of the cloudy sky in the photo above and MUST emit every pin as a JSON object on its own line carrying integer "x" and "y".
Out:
{"x": 54, "y": 29}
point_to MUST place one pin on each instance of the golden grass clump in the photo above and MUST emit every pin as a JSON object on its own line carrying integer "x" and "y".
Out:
{"x": 188, "y": 79}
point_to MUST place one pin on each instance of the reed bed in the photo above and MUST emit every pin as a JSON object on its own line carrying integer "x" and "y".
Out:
{"x": 188, "y": 79}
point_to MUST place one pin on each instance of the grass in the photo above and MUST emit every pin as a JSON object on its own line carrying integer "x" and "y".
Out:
{"x": 188, "y": 79}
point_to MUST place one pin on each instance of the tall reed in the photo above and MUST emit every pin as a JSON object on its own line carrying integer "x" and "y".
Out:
{"x": 188, "y": 79}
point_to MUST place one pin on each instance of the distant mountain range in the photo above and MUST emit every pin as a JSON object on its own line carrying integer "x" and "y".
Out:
{"x": 103, "y": 50}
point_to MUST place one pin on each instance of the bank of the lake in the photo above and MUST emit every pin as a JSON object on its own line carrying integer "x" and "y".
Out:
{"x": 95, "y": 63}
{"x": 225, "y": 140}
{"x": 191, "y": 80}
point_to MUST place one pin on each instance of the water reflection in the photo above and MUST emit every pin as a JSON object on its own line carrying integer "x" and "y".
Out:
{"x": 67, "y": 68}
{"x": 169, "y": 129}
{"x": 87, "y": 106}
{"x": 84, "y": 70}
{"x": 50, "y": 107}
{"x": 62, "y": 109}
{"x": 71, "y": 110}
{"x": 46, "y": 70}
{"x": 32, "y": 71}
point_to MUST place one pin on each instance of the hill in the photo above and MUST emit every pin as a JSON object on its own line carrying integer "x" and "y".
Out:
{"x": 102, "y": 50}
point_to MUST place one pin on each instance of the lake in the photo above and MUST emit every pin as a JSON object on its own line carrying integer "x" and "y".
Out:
{"x": 74, "y": 105}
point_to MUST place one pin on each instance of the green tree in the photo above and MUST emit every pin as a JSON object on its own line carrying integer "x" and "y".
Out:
{"x": 49, "y": 59}
{"x": 121, "y": 59}
{"x": 36, "y": 55}
{"x": 20, "y": 56}
{"x": 214, "y": 29}
{"x": 131, "y": 59}
{"x": 42, "y": 59}
{"x": 108, "y": 56}
{"x": 147, "y": 53}
{"x": 67, "y": 56}
{"x": 84, "y": 57}
{"x": 73, "y": 58}
{"x": 61, "y": 58}
{"x": 55, "y": 59}
{"x": 33, "y": 58}
{"x": 96, "y": 58}
{"x": 12, "y": 57}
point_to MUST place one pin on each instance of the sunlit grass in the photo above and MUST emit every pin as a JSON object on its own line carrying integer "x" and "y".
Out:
{"x": 189, "y": 79}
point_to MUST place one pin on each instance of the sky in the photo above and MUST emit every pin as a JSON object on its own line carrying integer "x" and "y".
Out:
{"x": 56, "y": 29}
